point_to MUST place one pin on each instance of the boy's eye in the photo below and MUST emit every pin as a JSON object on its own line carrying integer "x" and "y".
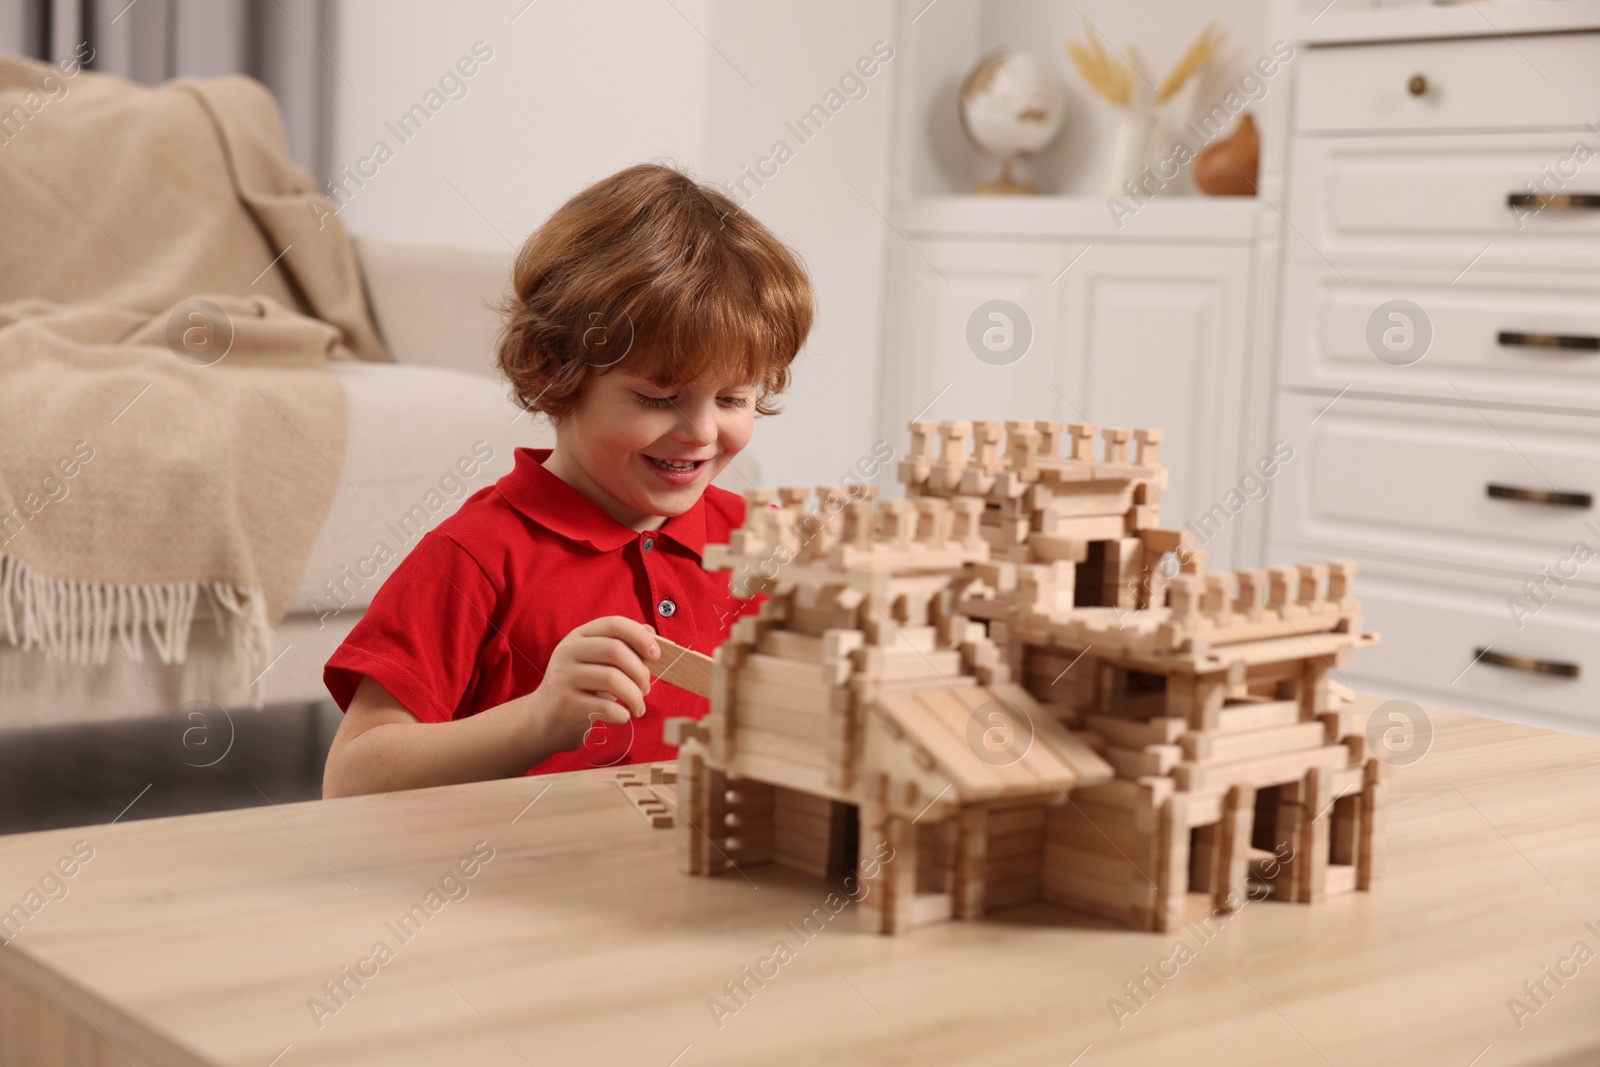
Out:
{"x": 666, "y": 401}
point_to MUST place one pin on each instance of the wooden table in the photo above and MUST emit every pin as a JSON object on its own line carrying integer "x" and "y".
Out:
{"x": 202, "y": 940}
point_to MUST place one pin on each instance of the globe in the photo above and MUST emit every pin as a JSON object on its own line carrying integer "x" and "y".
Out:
{"x": 1012, "y": 105}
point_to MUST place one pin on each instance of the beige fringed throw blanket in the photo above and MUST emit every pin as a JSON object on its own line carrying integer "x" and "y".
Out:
{"x": 171, "y": 289}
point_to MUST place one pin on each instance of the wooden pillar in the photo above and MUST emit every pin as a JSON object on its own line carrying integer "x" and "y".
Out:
{"x": 1233, "y": 847}
{"x": 1172, "y": 864}
{"x": 691, "y": 782}
{"x": 1369, "y": 856}
{"x": 703, "y": 804}
{"x": 899, "y": 876}
{"x": 971, "y": 853}
{"x": 1318, "y": 792}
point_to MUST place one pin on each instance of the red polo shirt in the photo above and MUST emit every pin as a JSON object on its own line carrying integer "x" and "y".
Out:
{"x": 468, "y": 620}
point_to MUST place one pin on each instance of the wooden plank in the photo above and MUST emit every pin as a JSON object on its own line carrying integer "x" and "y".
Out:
{"x": 945, "y": 724}
{"x": 1001, "y": 868}
{"x": 1107, "y": 868}
{"x": 1152, "y": 760}
{"x": 1130, "y": 734}
{"x": 1257, "y": 716}
{"x": 1144, "y": 793}
{"x": 786, "y": 672}
{"x": 809, "y": 728}
{"x": 1036, "y": 766}
{"x": 1070, "y": 750}
{"x": 1003, "y": 821}
{"x": 815, "y": 699}
{"x": 1017, "y": 843}
{"x": 1212, "y": 748}
{"x": 683, "y": 667}
{"x": 1272, "y": 770}
{"x": 784, "y": 772}
{"x": 754, "y": 741}
{"x": 787, "y": 644}
{"x": 908, "y": 663}
{"x": 1205, "y": 808}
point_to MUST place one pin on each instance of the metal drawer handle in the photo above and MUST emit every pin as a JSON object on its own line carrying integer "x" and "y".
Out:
{"x": 1527, "y": 663}
{"x": 1554, "y": 498}
{"x": 1572, "y": 341}
{"x": 1559, "y": 201}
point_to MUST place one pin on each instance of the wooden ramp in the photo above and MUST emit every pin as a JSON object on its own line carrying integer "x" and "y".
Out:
{"x": 977, "y": 743}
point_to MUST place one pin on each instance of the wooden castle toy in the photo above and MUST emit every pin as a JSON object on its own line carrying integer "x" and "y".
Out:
{"x": 1028, "y": 690}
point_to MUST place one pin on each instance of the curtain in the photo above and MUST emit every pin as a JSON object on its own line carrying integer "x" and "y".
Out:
{"x": 286, "y": 44}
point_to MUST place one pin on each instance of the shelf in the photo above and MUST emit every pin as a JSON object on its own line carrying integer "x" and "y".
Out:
{"x": 1177, "y": 218}
{"x": 1340, "y": 25}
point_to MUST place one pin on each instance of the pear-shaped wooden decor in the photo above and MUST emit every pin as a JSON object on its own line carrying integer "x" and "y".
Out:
{"x": 1228, "y": 168}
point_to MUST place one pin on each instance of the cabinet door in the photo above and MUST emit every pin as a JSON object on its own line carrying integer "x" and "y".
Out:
{"x": 1486, "y": 489}
{"x": 1505, "y": 337}
{"x": 1155, "y": 336}
{"x": 934, "y": 370}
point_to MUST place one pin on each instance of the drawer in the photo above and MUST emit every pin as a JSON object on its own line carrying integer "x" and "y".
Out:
{"x": 1528, "y": 82}
{"x": 1433, "y": 625}
{"x": 1446, "y": 199}
{"x": 1508, "y": 337}
{"x": 1437, "y": 483}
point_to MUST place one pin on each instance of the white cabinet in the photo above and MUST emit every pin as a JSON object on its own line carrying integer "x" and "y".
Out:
{"x": 1461, "y": 472}
{"x": 1135, "y": 333}
{"x": 942, "y": 282}
{"x": 1155, "y": 336}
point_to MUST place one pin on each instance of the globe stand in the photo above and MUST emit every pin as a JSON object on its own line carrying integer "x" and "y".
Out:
{"x": 1005, "y": 184}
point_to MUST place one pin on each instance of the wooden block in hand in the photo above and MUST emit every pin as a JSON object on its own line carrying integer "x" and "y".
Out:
{"x": 683, "y": 667}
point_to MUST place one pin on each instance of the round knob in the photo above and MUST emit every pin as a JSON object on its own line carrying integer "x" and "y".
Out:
{"x": 1417, "y": 85}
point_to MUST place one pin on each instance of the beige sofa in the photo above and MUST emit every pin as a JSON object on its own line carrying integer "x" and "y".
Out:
{"x": 409, "y": 425}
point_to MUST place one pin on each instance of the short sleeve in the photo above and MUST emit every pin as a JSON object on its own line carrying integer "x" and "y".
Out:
{"x": 423, "y": 633}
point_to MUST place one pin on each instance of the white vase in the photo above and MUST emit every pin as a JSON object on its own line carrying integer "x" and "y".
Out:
{"x": 1130, "y": 150}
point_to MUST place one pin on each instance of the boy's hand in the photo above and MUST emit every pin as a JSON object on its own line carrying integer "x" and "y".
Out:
{"x": 596, "y": 674}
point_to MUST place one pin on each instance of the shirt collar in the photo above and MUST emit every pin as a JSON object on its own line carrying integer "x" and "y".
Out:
{"x": 560, "y": 508}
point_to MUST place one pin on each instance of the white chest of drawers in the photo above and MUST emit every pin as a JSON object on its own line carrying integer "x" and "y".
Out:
{"x": 1438, "y": 351}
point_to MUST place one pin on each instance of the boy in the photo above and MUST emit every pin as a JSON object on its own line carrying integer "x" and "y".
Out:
{"x": 651, "y": 320}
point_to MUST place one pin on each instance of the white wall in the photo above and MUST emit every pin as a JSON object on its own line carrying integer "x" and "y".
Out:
{"x": 574, "y": 92}
{"x": 793, "y": 54}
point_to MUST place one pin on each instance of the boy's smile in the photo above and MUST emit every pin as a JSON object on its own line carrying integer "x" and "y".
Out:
{"x": 644, "y": 452}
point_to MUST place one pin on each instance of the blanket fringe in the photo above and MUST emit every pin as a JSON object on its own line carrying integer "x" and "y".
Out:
{"x": 77, "y": 622}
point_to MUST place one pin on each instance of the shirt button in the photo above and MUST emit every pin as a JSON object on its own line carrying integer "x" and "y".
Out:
{"x": 666, "y": 609}
{"x": 649, "y": 543}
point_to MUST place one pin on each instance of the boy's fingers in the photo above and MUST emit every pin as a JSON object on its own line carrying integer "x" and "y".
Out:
{"x": 636, "y": 635}
{"x": 611, "y": 681}
{"x": 603, "y": 710}
{"x": 611, "y": 652}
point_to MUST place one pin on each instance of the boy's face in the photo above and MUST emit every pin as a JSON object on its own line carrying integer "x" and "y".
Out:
{"x": 651, "y": 450}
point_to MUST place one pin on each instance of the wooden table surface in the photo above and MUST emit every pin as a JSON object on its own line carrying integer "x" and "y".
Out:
{"x": 203, "y": 940}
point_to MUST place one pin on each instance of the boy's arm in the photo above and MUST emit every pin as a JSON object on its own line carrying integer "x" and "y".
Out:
{"x": 381, "y": 746}
{"x": 596, "y": 673}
